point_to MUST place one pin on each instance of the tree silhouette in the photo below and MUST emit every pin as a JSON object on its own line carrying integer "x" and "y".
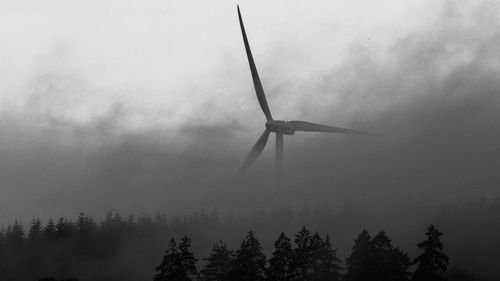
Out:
{"x": 2, "y": 251}
{"x": 34, "y": 247}
{"x": 376, "y": 259}
{"x": 280, "y": 264}
{"x": 187, "y": 260}
{"x": 49, "y": 231}
{"x": 14, "y": 250}
{"x": 35, "y": 232}
{"x": 326, "y": 262}
{"x": 302, "y": 255}
{"x": 85, "y": 235}
{"x": 399, "y": 265}
{"x": 65, "y": 228}
{"x": 178, "y": 263}
{"x": 170, "y": 267}
{"x": 390, "y": 263}
{"x": 112, "y": 234}
{"x": 118, "y": 249}
{"x": 250, "y": 262}
{"x": 218, "y": 265}
{"x": 15, "y": 236}
{"x": 432, "y": 263}
{"x": 360, "y": 262}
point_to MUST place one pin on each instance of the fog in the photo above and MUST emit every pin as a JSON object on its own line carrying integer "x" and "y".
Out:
{"x": 432, "y": 91}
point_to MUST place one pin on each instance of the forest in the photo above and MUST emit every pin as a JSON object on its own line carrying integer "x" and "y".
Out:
{"x": 312, "y": 258}
{"x": 272, "y": 245}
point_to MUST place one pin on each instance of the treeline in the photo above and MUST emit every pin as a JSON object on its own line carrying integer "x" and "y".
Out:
{"x": 129, "y": 248}
{"x": 313, "y": 258}
{"x": 83, "y": 248}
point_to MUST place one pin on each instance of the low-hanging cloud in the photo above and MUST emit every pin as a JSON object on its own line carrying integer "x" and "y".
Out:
{"x": 433, "y": 95}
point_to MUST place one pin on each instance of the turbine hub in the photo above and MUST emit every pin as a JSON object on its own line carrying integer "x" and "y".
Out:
{"x": 279, "y": 126}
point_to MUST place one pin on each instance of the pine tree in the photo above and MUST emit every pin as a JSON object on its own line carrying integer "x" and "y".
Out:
{"x": 302, "y": 255}
{"x": 360, "y": 262}
{"x": 400, "y": 263}
{"x": 280, "y": 264}
{"x": 170, "y": 264}
{"x": 326, "y": 262}
{"x": 2, "y": 239}
{"x": 218, "y": 265}
{"x": 391, "y": 264}
{"x": 250, "y": 262}
{"x": 432, "y": 263}
{"x": 187, "y": 260}
{"x": 85, "y": 226}
{"x": 376, "y": 259}
{"x": 2, "y": 251}
{"x": 315, "y": 249}
{"x": 35, "y": 233}
{"x": 64, "y": 228}
{"x": 35, "y": 250}
{"x": 178, "y": 263}
{"x": 85, "y": 234}
{"x": 49, "y": 231}
{"x": 15, "y": 236}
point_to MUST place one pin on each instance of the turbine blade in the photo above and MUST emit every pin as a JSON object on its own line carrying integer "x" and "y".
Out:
{"x": 255, "y": 151}
{"x": 313, "y": 127}
{"x": 255, "y": 76}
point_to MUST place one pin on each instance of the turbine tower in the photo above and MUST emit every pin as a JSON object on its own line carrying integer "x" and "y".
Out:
{"x": 279, "y": 127}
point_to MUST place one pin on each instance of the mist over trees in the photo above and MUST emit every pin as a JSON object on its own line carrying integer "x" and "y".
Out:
{"x": 333, "y": 246}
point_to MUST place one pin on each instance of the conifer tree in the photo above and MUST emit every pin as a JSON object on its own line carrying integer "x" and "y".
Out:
{"x": 326, "y": 262}
{"x": 170, "y": 265}
{"x": 85, "y": 226}
{"x": 376, "y": 259}
{"x": 14, "y": 250}
{"x": 2, "y": 250}
{"x": 2, "y": 239}
{"x": 178, "y": 263}
{"x": 432, "y": 263}
{"x": 85, "y": 234}
{"x": 400, "y": 263}
{"x": 187, "y": 260}
{"x": 35, "y": 233}
{"x": 302, "y": 255}
{"x": 49, "y": 231}
{"x": 360, "y": 262}
{"x": 250, "y": 262}
{"x": 15, "y": 236}
{"x": 64, "y": 228}
{"x": 280, "y": 264}
{"x": 218, "y": 265}
{"x": 34, "y": 243}
{"x": 390, "y": 264}
{"x": 315, "y": 249}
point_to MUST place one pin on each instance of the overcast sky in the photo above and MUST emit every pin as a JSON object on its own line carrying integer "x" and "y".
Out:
{"x": 144, "y": 106}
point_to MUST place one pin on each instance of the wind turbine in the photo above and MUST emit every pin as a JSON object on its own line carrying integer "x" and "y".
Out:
{"x": 279, "y": 127}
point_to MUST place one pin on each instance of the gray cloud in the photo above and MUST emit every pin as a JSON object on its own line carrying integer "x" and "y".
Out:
{"x": 434, "y": 97}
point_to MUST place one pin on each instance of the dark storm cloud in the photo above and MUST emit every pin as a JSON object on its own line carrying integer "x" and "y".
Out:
{"x": 435, "y": 99}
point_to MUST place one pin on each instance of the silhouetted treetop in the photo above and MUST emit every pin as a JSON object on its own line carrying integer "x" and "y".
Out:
{"x": 249, "y": 263}
{"x": 218, "y": 266}
{"x": 281, "y": 261}
{"x": 432, "y": 263}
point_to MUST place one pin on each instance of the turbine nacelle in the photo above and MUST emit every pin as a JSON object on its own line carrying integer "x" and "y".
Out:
{"x": 279, "y": 126}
